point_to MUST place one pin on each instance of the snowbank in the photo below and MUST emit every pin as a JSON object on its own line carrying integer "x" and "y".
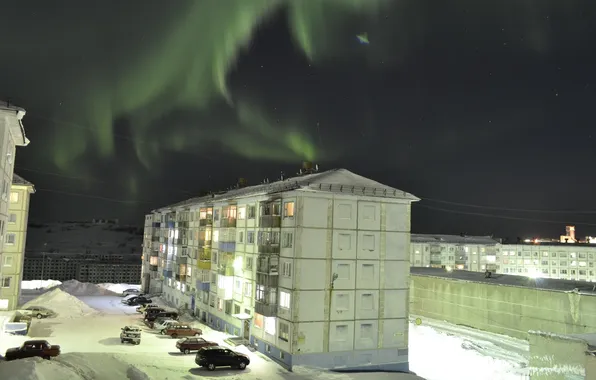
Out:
{"x": 119, "y": 288}
{"x": 64, "y": 304}
{"x": 77, "y": 288}
{"x": 39, "y": 284}
{"x": 74, "y": 366}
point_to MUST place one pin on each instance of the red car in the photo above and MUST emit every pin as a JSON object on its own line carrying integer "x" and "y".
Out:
{"x": 181, "y": 330}
{"x": 187, "y": 345}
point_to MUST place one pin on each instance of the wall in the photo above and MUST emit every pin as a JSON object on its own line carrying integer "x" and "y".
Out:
{"x": 557, "y": 357}
{"x": 502, "y": 309}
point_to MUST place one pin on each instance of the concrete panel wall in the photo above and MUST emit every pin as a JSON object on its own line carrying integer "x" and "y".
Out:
{"x": 502, "y": 309}
{"x": 557, "y": 357}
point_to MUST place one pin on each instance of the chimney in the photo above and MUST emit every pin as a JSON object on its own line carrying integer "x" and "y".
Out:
{"x": 307, "y": 167}
{"x": 242, "y": 182}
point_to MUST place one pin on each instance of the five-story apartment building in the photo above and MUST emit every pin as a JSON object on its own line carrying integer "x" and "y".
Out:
{"x": 312, "y": 270}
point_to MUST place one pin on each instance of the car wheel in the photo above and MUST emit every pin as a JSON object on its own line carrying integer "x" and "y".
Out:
{"x": 242, "y": 365}
{"x": 39, "y": 316}
{"x": 121, "y": 340}
{"x": 198, "y": 334}
{"x": 186, "y": 351}
{"x": 211, "y": 367}
{"x": 163, "y": 332}
{"x": 174, "y": 335}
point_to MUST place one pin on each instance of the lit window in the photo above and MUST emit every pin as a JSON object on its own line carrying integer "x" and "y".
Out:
{"x": 14, "y": 197}
{"x": 288, "y": 209}
{"x": 242, "y": 213}
{"x": 270, "y": 325}
{"x": 284, "y": 299}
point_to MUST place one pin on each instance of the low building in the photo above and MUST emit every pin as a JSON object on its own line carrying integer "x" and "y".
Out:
{"x": 16, "y": 237}
{"x": 461, "y": 252}
{"x": 311, "y": 270}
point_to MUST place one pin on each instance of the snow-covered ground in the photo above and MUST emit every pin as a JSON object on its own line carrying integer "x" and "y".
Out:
{"x": 90, "y": 344}
{"x": 39, "y": 284}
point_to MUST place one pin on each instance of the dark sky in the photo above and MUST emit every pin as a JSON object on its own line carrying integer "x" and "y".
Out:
{"x": 473, "y": 102}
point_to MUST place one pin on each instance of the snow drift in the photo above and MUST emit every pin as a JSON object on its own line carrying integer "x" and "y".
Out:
{"x": 77, "y": 288}
{"x": 119, "y": 288}
{"x": 39, "y": 284}
{"x": 74, "y": 366}
{"x": 64, "y": 304}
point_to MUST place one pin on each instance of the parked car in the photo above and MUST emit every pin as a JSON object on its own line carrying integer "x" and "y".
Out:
{"x": 164, "y": 314}
{"x": 38, "y": 312}
{"x": 144, "y": 308}
{"x": 128, "y": 292}
{"x": 128, "y": 297}
{"x": 161, "y": 324}
{"x": 138, "y": 300}
{"x": 33, "y": 348}
{"x": 186, "y": 345}
{"x": 213, "y": 357}
{"x": 181, "y": 330}
{"x": 154, "y": 310}
{"x": 130, "y": 334}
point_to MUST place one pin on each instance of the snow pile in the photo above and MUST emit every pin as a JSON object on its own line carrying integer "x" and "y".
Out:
{"x": 119, "y": 288}
{"x": 318, "y": 374}
{"x": 39, "y": 284}
{"x": 74, "y": 366}
{"x": 77, "y": 288}
{"x": 64, "y": 304}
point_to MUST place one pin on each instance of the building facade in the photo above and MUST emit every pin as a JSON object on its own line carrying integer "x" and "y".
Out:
{"x": 312, "y": 270}
{"x": 460, "y": 252}
{"x": 16, "y": 237}
{"x": 12, "y": 134}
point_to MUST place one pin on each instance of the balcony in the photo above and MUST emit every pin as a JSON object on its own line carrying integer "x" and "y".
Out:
{"x": 227, "y": 246}
{"x": 154, "y": 253}
{"x": 265, "y": 309}
{"x": 156, "y": 224}
{"x": 227, "y": 222}
{"x": 155, "y": 238}
{"x": 182, "y": 224}
{"x": 182, "y": 260}
{"x": 435, "y": 249}
{"x": 269, "y": 248}
{"x": 153, "y": 268}
{"x": 170, "y": 224}
{"x": 226, "y": 270}
{"x": 203, "y": 286}
{"x": 205, "y": 243}
{"x": 167, "y": 273}
{"x": 181, "y": 277}
{"x": 461, "y": 260}
{"x": 268, "y": 265}
{"x": 181, "y": 241}
{"x": 270, "y": 221}
{"x": 208, "y": 221}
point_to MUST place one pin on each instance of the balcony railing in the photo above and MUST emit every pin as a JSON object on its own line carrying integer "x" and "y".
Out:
{"x": 167, "y": 273}
{"x": 270, "y": 221}
{"x": 227, "y": 222}
{"x": 181, "y": 277}
{"x": 227, "y": 246}
{"x": 206, "y": 222}
{"x": 155, "y": 238}
{"x": 156, "y": 224}
{"x": 182, "y": 224}
{"x": 154, "y": 253}
{"x": 225, "y": 270}
{"x": 202, "y": 286}
{"x": 153, "y": 268}
{"x": 265, "y": 309}
{"x": 435, "y": 249}
{"x": 269, "y": 248}
{"x": 204, "y": 243}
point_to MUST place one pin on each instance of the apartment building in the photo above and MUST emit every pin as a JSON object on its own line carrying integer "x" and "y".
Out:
{"x": 461, "y": 252}
{"x": 16, "y": 237}
{"x": 12, "y": 134}
{"x": 311, "y": 270}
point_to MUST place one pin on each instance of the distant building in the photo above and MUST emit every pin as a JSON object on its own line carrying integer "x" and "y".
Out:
{"x": 16, "y": 237}
{"x": 312, "y": 270}
{"x": 96, "y": 269}
{"x": 460, "y": 252}
{"x": 12, "y": 134}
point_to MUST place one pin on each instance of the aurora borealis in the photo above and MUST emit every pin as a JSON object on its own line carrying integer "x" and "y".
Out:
{"x": 135, "y": 101}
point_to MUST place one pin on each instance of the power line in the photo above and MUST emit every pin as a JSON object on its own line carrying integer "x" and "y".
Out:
{"x": 502, "y": 216}
{"x": 510, "y": 209}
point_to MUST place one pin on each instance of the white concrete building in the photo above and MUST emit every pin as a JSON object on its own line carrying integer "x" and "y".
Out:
{"x": 12, "y": 134}
{"x": 461, "y": 252}
{"x": 312, "y": 270}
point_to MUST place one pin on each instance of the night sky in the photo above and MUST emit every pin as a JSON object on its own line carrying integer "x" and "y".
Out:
{"x": 134, "y": 105}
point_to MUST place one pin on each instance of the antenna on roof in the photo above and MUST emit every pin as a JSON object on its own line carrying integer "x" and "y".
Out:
{"x": 281, "y": 178}
{"x": 316, "y": 167}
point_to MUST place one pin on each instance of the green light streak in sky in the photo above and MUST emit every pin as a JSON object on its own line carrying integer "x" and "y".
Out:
{"x": 185, "y": 68}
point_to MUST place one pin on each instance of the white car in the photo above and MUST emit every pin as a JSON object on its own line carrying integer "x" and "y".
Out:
{"x": 126, "y": 298}
{"x": 131, "y": 291}
{"x": 165, "y": 324}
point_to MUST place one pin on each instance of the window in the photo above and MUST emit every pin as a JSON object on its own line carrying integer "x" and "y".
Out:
{"x": 242, "y": 213}
{"x": 251, "y": 212}
{"x": 216, "y": 214}
{"x": 367, "y": 302}
{"x": 287, "y": 239}
{"x": 11, "y": 238}
{"x": 238, "y": 286}
{"x": 287, "y": 269}
{"x": 6, "y": 282}
{"x": 342, "y": 301}
{"x": 14, "y": 197}
{"x": 248, "y": 289}
{"x": 248, "y": 263}
{"x": 284, "y": 299}
{"x": 236, "y": 309}
{"x": 284, "y": 331}
{"x": 250, "y": 237}
{"x": 260, "y": 294}
{"x": 241, "y": 237}
{"x": 8, "y": 261}
{"x": 12, "y": 218}
{"x": 289, "y": 210}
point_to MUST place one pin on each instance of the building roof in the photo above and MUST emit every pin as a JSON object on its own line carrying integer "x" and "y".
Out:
{"x": 15, "y": 125}
{"x": 334, "y": 181}
{"x": 18, "y": 180}
{"x": 452, "y": 239}
{"x": 507, "y": 280}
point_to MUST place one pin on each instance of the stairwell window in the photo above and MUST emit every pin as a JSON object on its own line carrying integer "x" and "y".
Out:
{"x": 14, "y": 197}
{"x": 11, "y": 239}
{"x": 284, "y": 299}
{"x": 287, "y": 239}
{"x": 289, "y": 210}
{"x": 12, "y": 218}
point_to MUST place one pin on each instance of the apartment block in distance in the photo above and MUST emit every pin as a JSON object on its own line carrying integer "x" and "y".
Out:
{"x": 16, "y": 237}
{"x": 12, "y": 134}
{"x": 311, "y": 270}
{"x": 460, "y": 252}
